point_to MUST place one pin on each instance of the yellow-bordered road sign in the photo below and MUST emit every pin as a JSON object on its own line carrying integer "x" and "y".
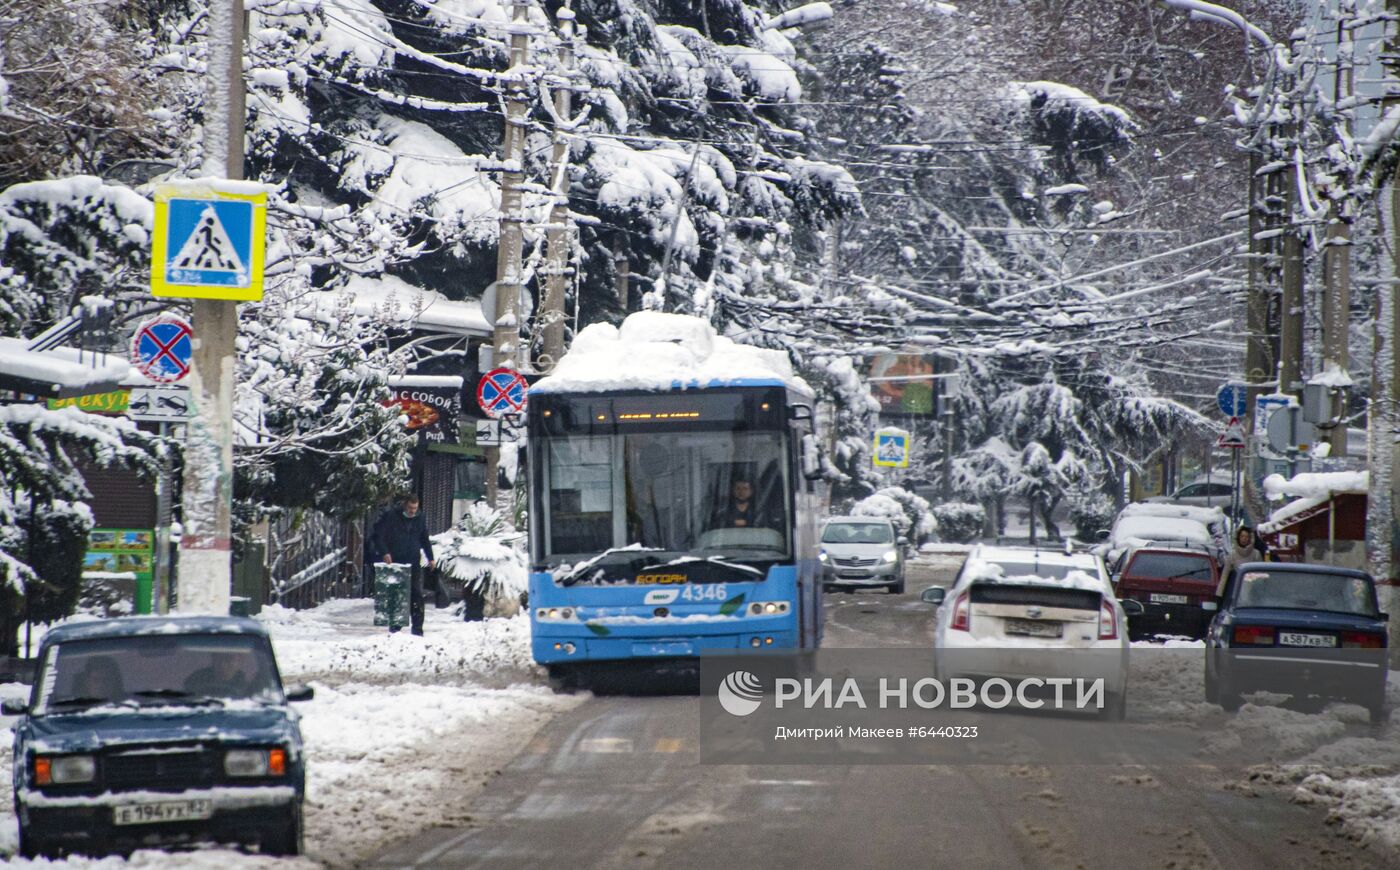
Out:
{"x": 210, "y": 238}
{"x": 891, "y": 448}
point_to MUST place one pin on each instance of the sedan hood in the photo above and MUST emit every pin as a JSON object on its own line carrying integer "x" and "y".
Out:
{"x": 95, "y": 730}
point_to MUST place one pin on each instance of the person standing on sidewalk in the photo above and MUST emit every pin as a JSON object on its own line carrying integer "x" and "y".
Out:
{"x": 402, "y": 537}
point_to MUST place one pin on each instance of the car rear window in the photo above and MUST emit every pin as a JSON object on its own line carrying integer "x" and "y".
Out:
{"x": 1298, "y": 590}
{"x": 1042, "y": 596}
{"x": 857, "y": 533}
{"x": 1171, "y": 566}
{"x": 1041, "y": 569}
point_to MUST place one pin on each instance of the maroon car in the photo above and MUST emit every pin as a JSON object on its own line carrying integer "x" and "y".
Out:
{"x": 1176, "y": 588}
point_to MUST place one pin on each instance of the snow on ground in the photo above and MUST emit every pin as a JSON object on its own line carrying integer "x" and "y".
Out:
{"x": 403, "y": 730}
{"x": 1336, "y": 759}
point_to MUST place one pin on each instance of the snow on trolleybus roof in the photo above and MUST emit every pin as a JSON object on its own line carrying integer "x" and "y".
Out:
{"x": 662, "y": 352}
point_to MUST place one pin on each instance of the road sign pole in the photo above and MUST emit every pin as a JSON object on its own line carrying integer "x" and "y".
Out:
{"x": 206, "y": 548}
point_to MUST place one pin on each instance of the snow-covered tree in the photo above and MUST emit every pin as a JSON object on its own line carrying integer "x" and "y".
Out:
{"x": 44, "y": 518}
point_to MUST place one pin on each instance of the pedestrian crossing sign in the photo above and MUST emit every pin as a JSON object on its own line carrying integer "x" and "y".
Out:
{"x": 891, "y": 448}
{"x": 209, "y": 240}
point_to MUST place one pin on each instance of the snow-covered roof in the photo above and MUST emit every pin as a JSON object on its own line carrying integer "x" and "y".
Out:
{"x": 656, "y": 351}
{"x": 1310, "y": 491}
{"x": 58, "y": 373}
{"x": 395, "y": 300}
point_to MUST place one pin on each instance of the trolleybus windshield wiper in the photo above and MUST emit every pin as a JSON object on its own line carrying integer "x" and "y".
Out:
{"x": 579, "y": 571}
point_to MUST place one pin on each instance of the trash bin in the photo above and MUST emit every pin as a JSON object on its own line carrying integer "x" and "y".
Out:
{"x": 391, "y": 587}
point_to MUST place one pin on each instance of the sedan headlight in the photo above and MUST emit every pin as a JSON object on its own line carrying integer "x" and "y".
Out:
{"x": 822, "y": 556}
{"x": 255, "y": 762}
{"x": 891, "y": 557}
{"x": 64, "y": 769}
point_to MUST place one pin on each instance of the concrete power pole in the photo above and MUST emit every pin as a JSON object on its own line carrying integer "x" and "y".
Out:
{"x": 551, "y": 319}
{"x": 206, "y": 548}
{"x": 506, "y": 336}
{"x": 1336, "y": 262}
{"x": 1381, "y": 428}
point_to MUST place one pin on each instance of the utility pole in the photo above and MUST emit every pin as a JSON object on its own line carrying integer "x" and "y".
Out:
{"x": 1290, "y": 363}
{"x": 1336, "y": 262}
{"x": 506, "y": 336}
{"x": 1380, "y": 428}
{"x": 551, "y": 317}
{"x": 206, "y": 548}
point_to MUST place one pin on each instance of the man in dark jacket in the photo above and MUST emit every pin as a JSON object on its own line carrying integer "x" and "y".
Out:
{"x": 402, "y": 537}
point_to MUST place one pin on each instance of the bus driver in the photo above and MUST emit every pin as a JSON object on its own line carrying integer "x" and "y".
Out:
{"x": 743, "y": 511}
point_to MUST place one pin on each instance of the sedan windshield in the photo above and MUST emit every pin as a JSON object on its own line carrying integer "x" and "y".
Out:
{"x": 857, "y": 533}
{"x": 1297, "y": 590}
{"x": 159, "y": 670}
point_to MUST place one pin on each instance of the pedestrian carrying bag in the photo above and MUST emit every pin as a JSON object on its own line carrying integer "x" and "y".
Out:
{"x": 391, "y": 594}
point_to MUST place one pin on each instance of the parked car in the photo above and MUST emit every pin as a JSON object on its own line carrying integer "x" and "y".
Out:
{"x": 1200, "y": 494}
{"x": 1053, "y": 623}
{"x": 1145, "y": 524}
{"x": 153, "y": 731}
{"x": 1308, "y": 631}
{"x": 1175, "y": 587}
{"x": 862, "y": 552}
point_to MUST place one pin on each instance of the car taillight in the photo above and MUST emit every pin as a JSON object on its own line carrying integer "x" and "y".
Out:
{"x": 962, "y": 613}
{"x": 1362, "y": 640}
{"x": 1257, "y": 635}
{"x": 1108, "y": 622}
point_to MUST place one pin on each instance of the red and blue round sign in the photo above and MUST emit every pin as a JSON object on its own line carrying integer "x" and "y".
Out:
{"x": 161, "y": 349}
{"x": 502, "y": 393}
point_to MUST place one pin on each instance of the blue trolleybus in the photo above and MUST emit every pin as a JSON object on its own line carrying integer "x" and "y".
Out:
{"x": 668, "y": 523}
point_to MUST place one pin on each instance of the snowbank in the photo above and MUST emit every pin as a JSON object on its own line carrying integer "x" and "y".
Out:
{"x": 655, "y": 351}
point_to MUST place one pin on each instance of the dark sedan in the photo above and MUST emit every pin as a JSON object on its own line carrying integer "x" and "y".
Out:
{"x": 153, "y": 732}
{"x": 1308, "y": 631}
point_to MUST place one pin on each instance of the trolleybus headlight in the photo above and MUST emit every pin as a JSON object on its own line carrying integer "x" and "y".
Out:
{"x": 768, "y": 608}
{"x": 891, "y": 557}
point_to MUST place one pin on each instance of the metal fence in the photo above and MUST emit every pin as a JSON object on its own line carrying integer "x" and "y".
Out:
{"x": 312, "y": 558}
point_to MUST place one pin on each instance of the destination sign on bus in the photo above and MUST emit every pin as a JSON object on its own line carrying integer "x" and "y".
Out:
{"x": 723, "y": 409}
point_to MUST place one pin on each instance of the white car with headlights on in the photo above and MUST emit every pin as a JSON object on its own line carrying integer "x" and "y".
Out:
{"x": 1011, "y": 615}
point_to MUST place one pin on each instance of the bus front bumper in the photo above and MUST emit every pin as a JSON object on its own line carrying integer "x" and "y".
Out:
{"x": 556, "y": 649}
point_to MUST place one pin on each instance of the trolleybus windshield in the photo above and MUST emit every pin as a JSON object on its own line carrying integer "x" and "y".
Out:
{"x": 720, "y": 495}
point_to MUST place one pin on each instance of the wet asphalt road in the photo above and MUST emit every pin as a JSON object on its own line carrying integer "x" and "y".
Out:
{"x": 618, "y": 784}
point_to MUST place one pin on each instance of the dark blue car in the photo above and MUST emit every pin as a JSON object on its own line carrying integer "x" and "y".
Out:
{"x": 1313, "y": 632}
{"x": 153, "y": 732}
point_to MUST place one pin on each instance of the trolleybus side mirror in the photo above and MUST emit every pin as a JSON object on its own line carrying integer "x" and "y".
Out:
{"x": 811, "y": 457}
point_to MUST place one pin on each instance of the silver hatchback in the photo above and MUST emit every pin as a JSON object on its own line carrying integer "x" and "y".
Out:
{"x": 860, "y": 552}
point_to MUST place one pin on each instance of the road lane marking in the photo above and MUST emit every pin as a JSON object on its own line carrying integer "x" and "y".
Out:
{"x": 669, "y": 744}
